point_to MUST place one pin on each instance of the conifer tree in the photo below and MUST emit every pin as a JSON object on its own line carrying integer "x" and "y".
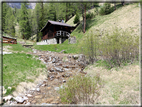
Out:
{"x": 5, "y": 7}
{"x": 24, "y": 21}
{"x": 52, "y": 12}
{"x": 39, "y": 19}
{"x": 9, "y": 23}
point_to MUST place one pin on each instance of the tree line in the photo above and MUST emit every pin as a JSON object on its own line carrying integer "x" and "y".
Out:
{"x": 31, "y": 21}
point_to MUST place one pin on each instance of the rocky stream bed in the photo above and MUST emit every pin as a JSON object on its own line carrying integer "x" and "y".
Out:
{"x": 60, "y": 67}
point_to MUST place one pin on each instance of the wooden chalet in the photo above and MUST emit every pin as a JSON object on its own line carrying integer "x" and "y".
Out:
{"x": 57, "y": 30}
{"x": 9, "y": 40}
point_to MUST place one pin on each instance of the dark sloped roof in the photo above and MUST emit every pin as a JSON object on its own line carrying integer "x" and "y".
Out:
{"x": 9, "y": 37}
{"x": 56, "y": 23}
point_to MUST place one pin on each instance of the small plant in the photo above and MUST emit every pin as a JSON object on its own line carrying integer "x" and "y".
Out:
{"x": 76, "y": 19}
{"x": 89, "y": 15}
{"x": 81, "y": 89}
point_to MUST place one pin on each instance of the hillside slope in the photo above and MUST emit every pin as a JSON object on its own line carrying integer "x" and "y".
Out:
{"x": 126, "y": 18}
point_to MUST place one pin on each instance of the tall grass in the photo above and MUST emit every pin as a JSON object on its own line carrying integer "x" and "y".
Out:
{"x": 17, "y": 67}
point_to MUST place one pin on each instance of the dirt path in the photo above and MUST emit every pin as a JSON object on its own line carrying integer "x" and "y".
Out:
{"x": 60, "y": 67}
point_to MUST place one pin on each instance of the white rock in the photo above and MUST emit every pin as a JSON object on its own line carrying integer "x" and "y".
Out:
{"x": 38, "y": 89}
{"x": 64, "y": 81}
{"x": 25, "y": 98}
{"x": 7, "y": 97}
{"x": 46, "y": 104}
{"x": 33, "y": 89}
{"x": 43, "y": 85}
{"x": 29, "y": 95}
{"x": 19, "y": 99}
{"x": 28, "y": 103}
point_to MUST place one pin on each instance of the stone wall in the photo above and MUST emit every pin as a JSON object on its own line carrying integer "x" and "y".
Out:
{"x": 72, "y": 40}
{"x": 47, "y": 42}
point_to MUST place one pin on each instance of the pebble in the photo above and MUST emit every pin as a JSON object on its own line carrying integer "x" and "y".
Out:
{"x": 29, "y": 95}
{"x": 46, "y": 104}
{"x": 25, "y": 98}
{"x": 43, "y": 85}
{"x": 38, "y": 89}
{"x": 64, "y": 81}
{"x": 56, "y": 88}
{"x": 28, "y": 103}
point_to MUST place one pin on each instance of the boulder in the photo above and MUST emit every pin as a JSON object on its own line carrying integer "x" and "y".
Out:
{"x": 75, "y": 57}
{"x": 59, "y": 69}
{"x": 7, "y": 98}
{"x": 19, "y": 99}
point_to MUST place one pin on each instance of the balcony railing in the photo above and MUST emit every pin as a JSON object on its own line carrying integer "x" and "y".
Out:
{"x": 62, "y": 33}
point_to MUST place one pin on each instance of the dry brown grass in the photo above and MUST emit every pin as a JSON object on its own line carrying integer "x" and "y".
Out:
{"x": 127, "y": 18}
{"x": 25, "y": 86}
{"x": 120, "y": 86}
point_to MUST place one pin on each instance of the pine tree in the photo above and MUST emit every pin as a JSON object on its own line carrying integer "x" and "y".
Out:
{"x": 5, "y": 7}
{"x": 9, "y": 26}
{"x": 52, "y": 12}
{"x": 24, "y": 22}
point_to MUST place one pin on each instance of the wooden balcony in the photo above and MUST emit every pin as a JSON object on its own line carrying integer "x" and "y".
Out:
{"x": 61, "y": 33}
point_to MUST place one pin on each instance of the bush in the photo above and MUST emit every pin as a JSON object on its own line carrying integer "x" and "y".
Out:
{"x": 120, "y": 47}
{"x": 76, "y": 19}
{"x": 89, "y": 15}
{"x": 116, "y": 48}
{"x": 89, "y": 46}
{"x": 106, "y": 9}
{"x": 81, "y": 89}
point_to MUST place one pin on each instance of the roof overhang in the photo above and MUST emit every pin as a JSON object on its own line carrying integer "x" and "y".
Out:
{"x": 56, "y": 23}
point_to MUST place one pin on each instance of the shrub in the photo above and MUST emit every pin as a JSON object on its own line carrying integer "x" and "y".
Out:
{"x": 81, "y": 89}
{"x": 89, "y": 46}
{"x": 119, "y": 47}
{"x": 76, "y": 19}
{"x": 89, "y": 15}
{"x": 106, "y": 9}
{"x": 116, "y": 48}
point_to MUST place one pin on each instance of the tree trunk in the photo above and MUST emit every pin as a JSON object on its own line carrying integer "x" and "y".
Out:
{"x": 115, "y": 6}
{"x": 123, "y": 2}
{"x": 85, "y": 19}
{"x": 66, "y": 13}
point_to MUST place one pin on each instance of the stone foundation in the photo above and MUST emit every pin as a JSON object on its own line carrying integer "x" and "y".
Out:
{"x": 72, "y": 40}
{"x": 47, "y": 42}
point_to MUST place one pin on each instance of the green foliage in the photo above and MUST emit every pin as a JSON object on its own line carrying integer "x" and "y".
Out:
{"x": 89, "y": 46}
{"x": 89, "y": 15}
{"x": 69, "y": 48}
{"x": 81, "y": 89}
{"x": 76, "y": 19}
{"x": 4, "y": 12}
{"x": 17, "y": 67}
{"x": 8, "y": 20}
{"x": 120, "y": 47}
{"x": 25, "y": 27}
{"x": 18, "y": 47}
{"x": 115, "y": 48}
{"x": 106, "y": 9}
{"x": 52, "y": 12}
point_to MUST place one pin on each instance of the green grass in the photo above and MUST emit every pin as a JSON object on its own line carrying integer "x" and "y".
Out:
{"x": 17, "y": 47}
{"x": 17, "y": 67}
{"x": 69, "y": 48}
